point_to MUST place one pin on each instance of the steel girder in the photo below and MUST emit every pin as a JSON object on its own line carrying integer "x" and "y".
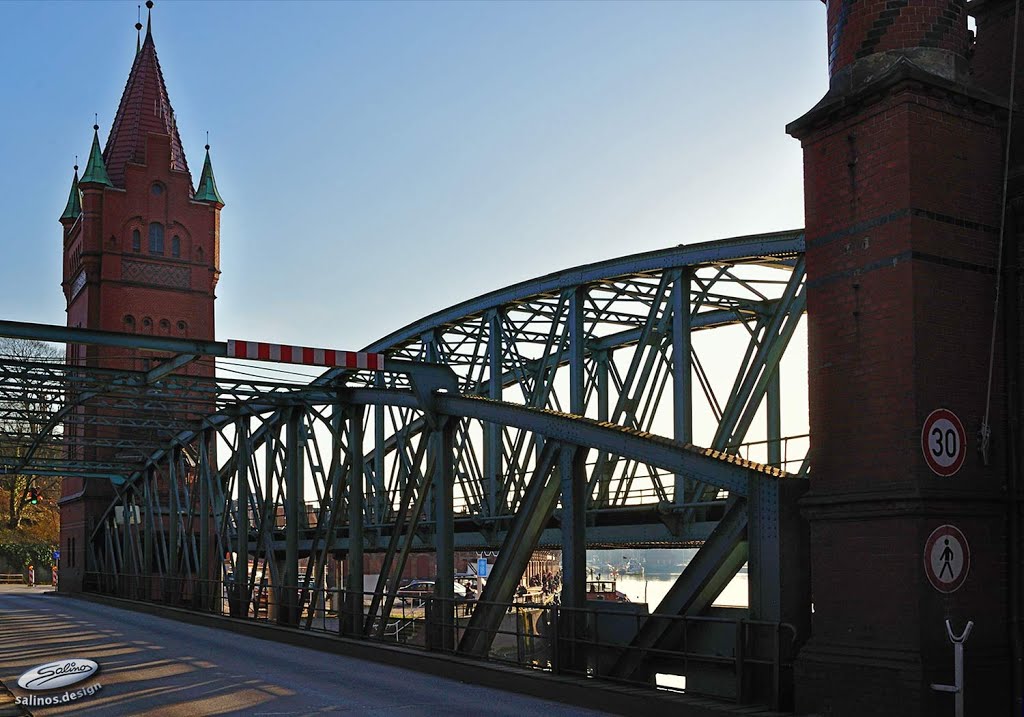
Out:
{"x": 205, "y": 500}
{"x": 591, "y": 361}
{"x": 631, "y": 320}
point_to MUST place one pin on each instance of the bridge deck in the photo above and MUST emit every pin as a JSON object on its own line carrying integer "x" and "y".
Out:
{"x": 152, "y": 665}
{"x": 184, "y": 665}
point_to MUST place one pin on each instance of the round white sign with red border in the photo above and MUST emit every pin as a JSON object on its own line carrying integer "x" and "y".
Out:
{"x": 944, "y": 442}
{"x": 947, "y": 558}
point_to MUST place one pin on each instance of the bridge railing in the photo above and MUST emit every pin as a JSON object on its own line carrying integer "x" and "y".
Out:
{"x": 600, "y": 641}
{"x": 791, "y": 452}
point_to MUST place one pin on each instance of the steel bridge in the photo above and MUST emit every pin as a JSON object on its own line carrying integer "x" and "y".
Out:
{"x": 632, "y": 402}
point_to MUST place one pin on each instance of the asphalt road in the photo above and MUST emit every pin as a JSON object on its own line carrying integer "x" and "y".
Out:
{"x": 154, "y": 666}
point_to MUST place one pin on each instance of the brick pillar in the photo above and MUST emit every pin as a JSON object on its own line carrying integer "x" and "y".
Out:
{"x": 991, "y": 68}
{"x": 903, "y": 173}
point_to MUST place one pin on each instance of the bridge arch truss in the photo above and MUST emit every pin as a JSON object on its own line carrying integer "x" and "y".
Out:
{"x": 556, "y": 412}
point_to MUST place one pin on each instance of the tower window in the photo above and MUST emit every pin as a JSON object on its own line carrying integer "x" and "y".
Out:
{"x": 156, "y": 238}
{"x": 136, "y": 241}
{"x": 175, "y": 246}
{"x": 157, "y": 189}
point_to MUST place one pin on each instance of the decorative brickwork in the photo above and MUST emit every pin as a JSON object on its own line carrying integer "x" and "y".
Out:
{"x": 860, "y": 28}
{"x": 176, "y": 277}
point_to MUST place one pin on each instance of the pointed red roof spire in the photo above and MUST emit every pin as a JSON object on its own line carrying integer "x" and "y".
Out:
{"x": 145, "y": 108}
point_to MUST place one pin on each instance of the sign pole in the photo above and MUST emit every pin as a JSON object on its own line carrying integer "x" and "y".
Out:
{"x": 957, "y": 688}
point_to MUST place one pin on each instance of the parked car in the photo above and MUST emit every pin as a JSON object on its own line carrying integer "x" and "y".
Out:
{"x": 418, "y": 590}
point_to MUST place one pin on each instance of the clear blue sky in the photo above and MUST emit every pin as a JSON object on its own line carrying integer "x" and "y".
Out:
{"x": 381, "y": 161}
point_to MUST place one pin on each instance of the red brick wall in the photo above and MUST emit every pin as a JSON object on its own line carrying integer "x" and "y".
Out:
{"x": 859, "y": 28}
{"x": 990, "y": 64}
{"x": 902, "y": 193}
{"x": 173, "y": 295}
{"x": 901, "y": 209}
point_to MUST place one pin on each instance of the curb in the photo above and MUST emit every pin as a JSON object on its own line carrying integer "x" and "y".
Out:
{"x": 8, "y": 707}
{"x": 622, "y": 700}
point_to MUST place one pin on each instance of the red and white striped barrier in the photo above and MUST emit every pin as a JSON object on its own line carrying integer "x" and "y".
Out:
{"x": 260, "y": 351}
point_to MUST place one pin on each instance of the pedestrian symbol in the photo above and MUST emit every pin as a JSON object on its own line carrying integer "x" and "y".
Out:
{"x": 947, "y": 558}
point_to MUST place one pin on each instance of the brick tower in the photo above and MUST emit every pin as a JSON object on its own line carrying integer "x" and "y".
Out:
{"x": 141, "y": 255}
{"x": 903, "y": 166}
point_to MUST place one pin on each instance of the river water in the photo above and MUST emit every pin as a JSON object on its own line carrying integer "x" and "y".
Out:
{"x": 651, "y": 586}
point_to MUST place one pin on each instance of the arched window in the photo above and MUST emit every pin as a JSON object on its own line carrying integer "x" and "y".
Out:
{"x": 129, "y": 323}
{"x": 175, "y": 246}
{"x": 165, "y": 326}
{"x": 136, "y": 241}
{"x": 156, "y": 238}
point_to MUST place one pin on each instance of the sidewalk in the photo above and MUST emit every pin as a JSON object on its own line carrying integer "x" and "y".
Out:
{"x": 6, "y": 588}
{"x": 7, "y": 706}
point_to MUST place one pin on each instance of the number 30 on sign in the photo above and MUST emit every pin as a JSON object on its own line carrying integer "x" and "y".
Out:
{"x": 944, "y": 442}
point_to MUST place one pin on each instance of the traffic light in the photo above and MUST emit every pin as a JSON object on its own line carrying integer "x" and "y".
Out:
{"x": 33, "y": 497}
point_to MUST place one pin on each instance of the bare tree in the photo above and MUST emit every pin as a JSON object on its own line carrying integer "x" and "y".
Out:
{"x": 30, "y": 393}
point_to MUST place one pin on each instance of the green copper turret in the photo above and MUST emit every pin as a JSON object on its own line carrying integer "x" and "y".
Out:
{"x": 207, "y": 189}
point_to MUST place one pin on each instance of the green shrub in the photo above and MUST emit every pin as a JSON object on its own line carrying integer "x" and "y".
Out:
{"x": 19, "y": 555}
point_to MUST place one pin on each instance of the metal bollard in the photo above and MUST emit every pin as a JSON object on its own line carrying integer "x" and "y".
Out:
{"x": 957, "y": 688}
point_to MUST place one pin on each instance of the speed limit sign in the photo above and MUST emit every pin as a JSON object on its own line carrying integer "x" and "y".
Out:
{"x": 944, "y": 442}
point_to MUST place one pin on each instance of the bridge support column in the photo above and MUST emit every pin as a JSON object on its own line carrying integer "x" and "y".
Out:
{"x": 492, "y": 431}
{"x": 903, "y": 160}
{"x": 774, "y": 420}
{"x": 441, "y": 455}
{"x": 172, "y": 576}
{"x": 352, "y": 621}
{"x": 203, "y": 589}
{"x": 577, "y": 351}
{"x": 682, "y": 384}
{"x": 288, "y": 594}
{"x": 240, "y": 588}
{"x": 572, "y": 621}
{"x": 779, "y": 585}
{"x": 149, "y": 528}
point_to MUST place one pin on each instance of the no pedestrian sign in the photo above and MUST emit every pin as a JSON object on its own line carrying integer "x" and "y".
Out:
{"x": 947, "y": 558}
{"x": 944, "y": 442}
